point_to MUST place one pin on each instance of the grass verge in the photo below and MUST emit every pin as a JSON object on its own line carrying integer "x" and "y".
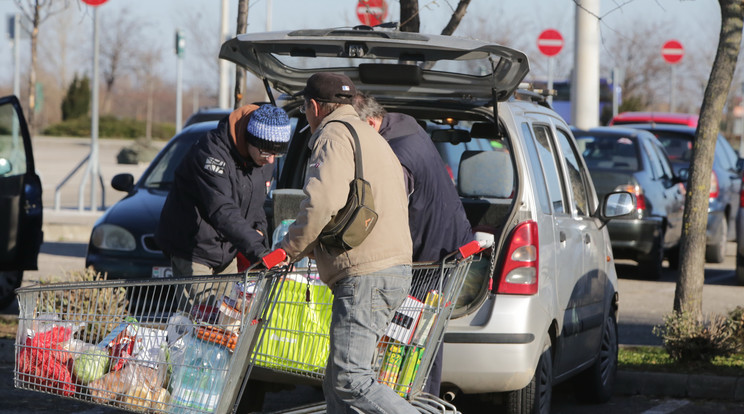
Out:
{"x": 655, "y": 359}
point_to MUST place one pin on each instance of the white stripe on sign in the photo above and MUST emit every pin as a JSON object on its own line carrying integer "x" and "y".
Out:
{"x": 667, "y": 407}
{"x": 550, "y": 42}
{"x": 672, "y": 51}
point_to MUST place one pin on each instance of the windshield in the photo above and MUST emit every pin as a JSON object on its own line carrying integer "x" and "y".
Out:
{"x": 163, "y": 171}
{"x": 677, "y": 146}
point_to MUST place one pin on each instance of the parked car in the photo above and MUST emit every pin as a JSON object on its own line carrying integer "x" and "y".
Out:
{"x": 673, "y": 118}
{"x": 725, "y": 183}
{"x": 542, "y": 308}
{"x": 20, "y": 200}
{"x": 625, "y": 159}
{"x": 207, "y": 114}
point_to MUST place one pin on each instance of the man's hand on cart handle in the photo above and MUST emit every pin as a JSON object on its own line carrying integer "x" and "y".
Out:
{"x": 274, "y": 258}
{"x": 482, "y": 242}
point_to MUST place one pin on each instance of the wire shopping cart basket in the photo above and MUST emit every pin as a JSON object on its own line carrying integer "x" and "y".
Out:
{"x": 294, "y": 339}
{"x": 176, "y": 345}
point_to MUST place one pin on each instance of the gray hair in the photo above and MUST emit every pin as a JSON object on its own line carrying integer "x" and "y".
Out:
{"x": 367, "y": 107}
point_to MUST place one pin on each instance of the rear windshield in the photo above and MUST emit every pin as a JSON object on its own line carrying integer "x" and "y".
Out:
{"x": 678, "y": 146}
{"x": 617, "y": 153}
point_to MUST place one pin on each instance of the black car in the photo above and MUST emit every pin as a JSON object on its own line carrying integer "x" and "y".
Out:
{"x": 635, "y": 161}
{"x": 20, "y": 200}
{"x": 122, "y": 242}
{"x": 725, "y": 183}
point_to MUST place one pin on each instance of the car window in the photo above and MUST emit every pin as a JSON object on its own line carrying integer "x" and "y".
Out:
{"x": 663, "y": 159}
{"x": 12, "y": 150}
{"x": 576, "y": 178}
{"x": 726, "y": 153}
{"x": 609, "y": 151}
{"x": 547, "y": 158}
{"x": 163, "y": 172}
{"x": 653, "y": 158}
{"x": 677, "y": 146}
{"x": 536, "y": 168}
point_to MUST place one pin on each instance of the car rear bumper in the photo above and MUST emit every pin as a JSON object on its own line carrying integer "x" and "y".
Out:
{"x": 713, "y": 229}
{"x": 500, "y": 355}
{"x": 634, "y": 237}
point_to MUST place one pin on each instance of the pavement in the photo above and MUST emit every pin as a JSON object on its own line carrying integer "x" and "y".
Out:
{"x": 69, "y": 226}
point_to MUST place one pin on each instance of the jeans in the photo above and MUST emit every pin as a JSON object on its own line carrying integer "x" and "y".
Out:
{"x": 362, "y": 308}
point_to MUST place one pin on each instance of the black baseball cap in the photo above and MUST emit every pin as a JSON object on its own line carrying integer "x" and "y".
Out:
{"x": 329, "y": 87}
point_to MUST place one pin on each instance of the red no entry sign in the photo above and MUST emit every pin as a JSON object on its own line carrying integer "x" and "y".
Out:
{"x": 672, "y": 51}
{"x": 94, "y": 2}
{"x": 550, "y": 42}
{"x": 371, "y": 12}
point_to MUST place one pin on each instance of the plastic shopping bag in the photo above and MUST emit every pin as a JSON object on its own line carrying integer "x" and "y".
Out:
{"x": 297, "y": 336}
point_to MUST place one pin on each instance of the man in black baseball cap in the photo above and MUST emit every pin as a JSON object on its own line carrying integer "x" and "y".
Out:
{"x": 371, "y": 280}
{"x": 329, "y": 87}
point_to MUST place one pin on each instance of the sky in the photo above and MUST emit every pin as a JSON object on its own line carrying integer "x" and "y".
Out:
{"x": 695, "y": 23}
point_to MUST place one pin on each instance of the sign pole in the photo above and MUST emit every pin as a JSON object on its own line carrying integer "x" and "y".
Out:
{"x": 672, "y": 92}
{"x": 550, "y": 43}
{"x": 550, "y": 80}
{"x": 672, "y": 52}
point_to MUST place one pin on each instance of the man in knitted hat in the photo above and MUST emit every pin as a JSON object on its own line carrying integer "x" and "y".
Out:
{"x": 215, "y": 208}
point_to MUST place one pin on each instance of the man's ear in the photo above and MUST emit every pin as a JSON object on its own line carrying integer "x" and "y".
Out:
{"x": 374, "y": 123}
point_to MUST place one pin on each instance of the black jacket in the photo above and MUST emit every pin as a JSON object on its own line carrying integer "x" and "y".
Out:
{"x": 216, "y": 204}
{"x": 435, "y": 213}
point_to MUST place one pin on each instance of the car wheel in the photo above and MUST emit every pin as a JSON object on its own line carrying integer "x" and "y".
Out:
{"x": 535, "y": 397}
{"x": 650, "y": 265}
{"x": 10, "y": 280}
{"x": 595, "y": 385}
{"x": 674, "y": 257}
{"x": 716, "y": 253}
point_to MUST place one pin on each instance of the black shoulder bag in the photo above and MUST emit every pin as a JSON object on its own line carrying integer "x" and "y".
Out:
{"x": 355, "y": 221}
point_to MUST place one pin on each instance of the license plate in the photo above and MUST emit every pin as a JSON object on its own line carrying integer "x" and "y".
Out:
{"x": 160, "y": 272}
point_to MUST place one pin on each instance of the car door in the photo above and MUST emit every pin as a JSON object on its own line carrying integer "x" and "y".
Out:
{"x": 569, "y": 246}
{"x": 673, "y": 192}
{"x": 585, "y": 312}
{"x": 20, "y": 193}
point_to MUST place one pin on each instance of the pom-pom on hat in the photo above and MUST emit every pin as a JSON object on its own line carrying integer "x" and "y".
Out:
{"x": 269, "y": 129}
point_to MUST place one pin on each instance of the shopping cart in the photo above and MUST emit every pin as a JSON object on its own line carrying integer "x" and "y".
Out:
{"x": 294, "y": 339}
{"x": 172, "y": 345}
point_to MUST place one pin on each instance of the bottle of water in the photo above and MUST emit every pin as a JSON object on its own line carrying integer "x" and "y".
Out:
{"x": 199, "y": 383}
{"x": 279, "y": 233}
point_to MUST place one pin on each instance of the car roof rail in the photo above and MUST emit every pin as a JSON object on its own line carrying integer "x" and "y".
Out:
{"x": 527, "y": 92}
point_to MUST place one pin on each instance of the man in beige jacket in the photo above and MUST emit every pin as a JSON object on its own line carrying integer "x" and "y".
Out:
{"x": 369, "y": 282}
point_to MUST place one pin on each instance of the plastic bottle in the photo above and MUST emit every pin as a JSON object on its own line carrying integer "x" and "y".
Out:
{"x": 281, "y": 230}
{"x": 199, "y": 382}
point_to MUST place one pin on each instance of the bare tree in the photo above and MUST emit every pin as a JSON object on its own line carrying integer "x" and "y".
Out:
{"x": 456, "y": 18}
{"x": 36, "y": 12}
{"x": 123, "y": 41}
{"x": 409, "y": 16}
{"x": 239, "y": 70}
{"x": 688, "y": 295}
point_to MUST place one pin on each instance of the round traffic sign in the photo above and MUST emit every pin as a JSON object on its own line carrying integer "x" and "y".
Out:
{"x": 550, "y": 42}
{"x": 672, "y": 51}
{"x": 372, "y": 12}
{"x": 94, "y": 2}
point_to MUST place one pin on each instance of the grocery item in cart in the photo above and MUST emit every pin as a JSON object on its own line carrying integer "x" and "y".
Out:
{"x": 199, "y": 381}
{"x": 43, "y": 361}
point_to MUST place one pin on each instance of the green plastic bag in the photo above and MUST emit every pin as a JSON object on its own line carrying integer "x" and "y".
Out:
{"x": 297, "y": 336}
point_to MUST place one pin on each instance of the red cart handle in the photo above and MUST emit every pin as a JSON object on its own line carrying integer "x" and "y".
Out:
{"x": 470, "y": 249}
{"x": 274, "y": 258}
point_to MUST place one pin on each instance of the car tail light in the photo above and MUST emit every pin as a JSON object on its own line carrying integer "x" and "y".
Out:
{"x": 713, "y": 185}
{"x": 637, "y": 191}
{"x": 519, "y": 275}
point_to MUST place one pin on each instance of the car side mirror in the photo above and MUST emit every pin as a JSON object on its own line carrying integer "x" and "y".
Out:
{"x": 617, "y": 204}
{"x": 683, "y": 175}
{"x": 123, "y": 182}
{"x": 5, "y": 166}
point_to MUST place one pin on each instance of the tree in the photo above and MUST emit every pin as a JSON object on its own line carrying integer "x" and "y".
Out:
{"x": 36, "y": 12}
{"x": 76, "y": 102}
{"x": 688, "y": 295}
{"x": 123, "y": 40}
{"x": 410, "y": 22}
{"x": 243, "y": 6}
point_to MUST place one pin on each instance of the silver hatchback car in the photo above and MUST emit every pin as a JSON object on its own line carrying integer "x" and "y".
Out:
{"x": 543, "y": 306}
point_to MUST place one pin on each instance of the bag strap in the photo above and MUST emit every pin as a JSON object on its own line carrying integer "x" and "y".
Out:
{"x": 357, "y": 149}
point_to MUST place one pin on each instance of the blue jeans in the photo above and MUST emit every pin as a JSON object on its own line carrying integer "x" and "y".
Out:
{"x": 362, "y": 307}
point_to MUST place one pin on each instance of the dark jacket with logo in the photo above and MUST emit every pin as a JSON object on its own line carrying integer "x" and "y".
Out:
{"x": 216, "y": 204}
{"x": 435, "y": 213}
